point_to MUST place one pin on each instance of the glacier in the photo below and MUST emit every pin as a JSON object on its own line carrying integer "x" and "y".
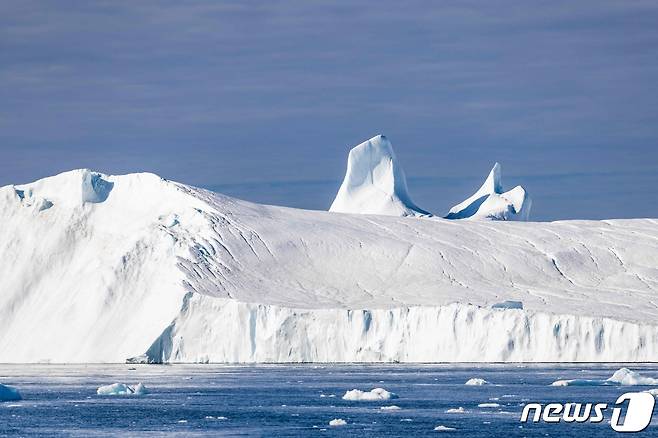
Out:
{"x": 101, "y": 268}
{"x": 490, "y": 201}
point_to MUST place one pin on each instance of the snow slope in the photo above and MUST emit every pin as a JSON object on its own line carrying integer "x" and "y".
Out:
{"x": 97, "y": 268}
{"x": 491, "y": 202}
{"x": 375, "y": 183}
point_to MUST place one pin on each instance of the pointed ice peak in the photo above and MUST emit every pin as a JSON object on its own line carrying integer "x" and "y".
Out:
{"x": 374, "y": 182}
{"x": 490, "y": 202}
{"x": 493, "y": 183}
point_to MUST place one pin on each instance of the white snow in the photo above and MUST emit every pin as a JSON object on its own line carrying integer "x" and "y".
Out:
{"x": 442, "y": 428}
{"x": 491, "y": 202}
{"x": 488, "y": 405}
{"x": 372, "y": 395}
{"x": 622, "y": 376}
{"x": 122, "y": 389}
{"x": 137, "y": 266}
{"x": 475, "y": 381}
{"x": 8, "y": 393}
{"x": 459, "y": 410}
{"x": 374, "y": 182}
{"x": 337, "y": 422}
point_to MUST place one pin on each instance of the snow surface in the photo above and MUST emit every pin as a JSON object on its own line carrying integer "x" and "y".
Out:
{"x": 476, "y": 382}
{"x": 622, "y": 376}
{"x": 122, "y": 389}
{"x": 374, "y": 182}
{"x": 491, "y": 202}
{"x": 98, "y": 268}
{"x": 7, "y": 393}
{"x": 372, "y": 395}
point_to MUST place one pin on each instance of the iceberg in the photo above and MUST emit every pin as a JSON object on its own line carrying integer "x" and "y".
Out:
{"x": 476, "y": 382}
{"x": 136, "y": 266}
{"x": 7, "y": 393}
{"x": 622, "y": 376}
{"x": 372, "y": 395}
{"x": 337, "y": 422}
{"x": 375, "y": 183}
{"x": 442, "y": 428}
{"x": 491, "y": 202}
{"x": 122, "y": 389}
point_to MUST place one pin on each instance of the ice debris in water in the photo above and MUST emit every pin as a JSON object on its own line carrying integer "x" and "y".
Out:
{"x": 442, "y": 428}
{"x": 459, "y": 410}
{"x": 373, "y": 395}
{"x": 337, "y": 422}
{"x": 476, "y": 382}
{"x": 122, "y": 389}
{"x": 7, "y": 393}
{"x": 488, "y": 405}
{"x": 622, "y": 376}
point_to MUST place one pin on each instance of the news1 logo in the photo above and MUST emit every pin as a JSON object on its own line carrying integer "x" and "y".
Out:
{"x": 634, "y": 417}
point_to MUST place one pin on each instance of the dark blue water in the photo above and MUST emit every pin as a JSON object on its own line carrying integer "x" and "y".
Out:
{"x": 299, "y": 400}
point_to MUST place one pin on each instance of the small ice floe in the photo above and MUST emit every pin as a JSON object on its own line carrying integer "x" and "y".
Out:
{"x": 488, "y": 405}
{"x": 122, "y": 389}
{"x": 373, "y": 395}
{"x": 442, "y": 428}
{"x": 7, "y": 393}
{"x": 337, "y": 422}
{"x": 182, "y": 421}
{"x": 407, "y": 420}
{"x": 390, "y": 408}
{"x": 622, "y": 376}
{"x": 459, "y": 410}
{"x": 476, "y": 382}
{"x": 327, "y": 395}
{"x": 210, "y": 417}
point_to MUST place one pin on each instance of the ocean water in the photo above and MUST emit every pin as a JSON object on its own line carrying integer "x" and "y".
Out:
{"x": 300, "y": 400}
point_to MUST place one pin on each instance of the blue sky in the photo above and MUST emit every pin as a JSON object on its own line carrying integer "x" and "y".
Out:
{"x": 263, "y": 100}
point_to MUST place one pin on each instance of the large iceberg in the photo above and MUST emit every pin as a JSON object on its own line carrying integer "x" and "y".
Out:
{"x": 491, "y": 202}
{"x": 99, "y": 268}
{"x": 375, "y": 183}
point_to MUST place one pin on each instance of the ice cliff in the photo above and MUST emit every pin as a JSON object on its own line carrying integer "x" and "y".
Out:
{"x": 98, "y": 268}
{"x": 491, "y": 202}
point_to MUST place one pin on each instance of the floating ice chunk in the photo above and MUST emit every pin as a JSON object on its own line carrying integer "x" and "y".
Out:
{"x": 508, "y": 304}
{"x": 122, "y": 389}
{"x": 375, "y": 183}
{"x": 476, "y": 382}
{"x": 7, "y": 393}
{"x": 373, "y": 395}
{"x": 337, "y": 422}
{"x": 442, "y": 428}
{"x": 459, "y": 410}
{"x": 390, "y": 408}
{"x": 624, "y": 376}
{"x": 488, "y": 405}
{"x": 490, "y": 202}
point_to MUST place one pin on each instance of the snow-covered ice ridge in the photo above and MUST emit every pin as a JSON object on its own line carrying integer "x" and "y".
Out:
{"x": 97, "y": 268}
